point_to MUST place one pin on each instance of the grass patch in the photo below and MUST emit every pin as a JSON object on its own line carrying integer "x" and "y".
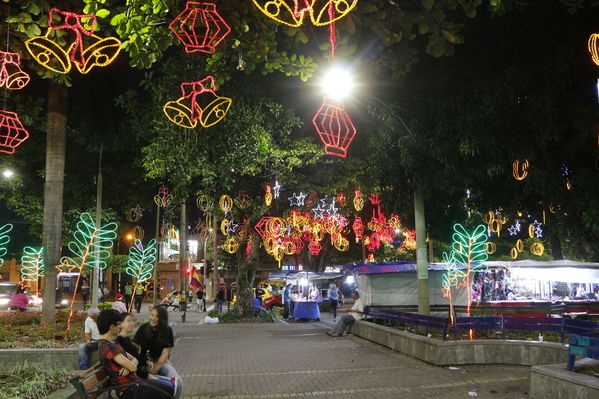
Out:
{"x": 32, "y": 381}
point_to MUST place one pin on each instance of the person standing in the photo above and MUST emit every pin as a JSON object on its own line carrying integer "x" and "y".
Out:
{"x": 334, "y": 298}
{"x": 355, "y": 313}
{"x": 128, "y": 293}
{"x": 220, "y": 298}
{"x": 286, "y": 301}
{"x": 91, "y": 336}
{"x": 19, "y": 300}
{"x": 259, "y": 293}
{"x": 84, "y": 292}
{"x": 182, "y": 300}
{"x": 139, "y": 296}
{"x": 118, "y": 304}
{"x": 201, "y": 301}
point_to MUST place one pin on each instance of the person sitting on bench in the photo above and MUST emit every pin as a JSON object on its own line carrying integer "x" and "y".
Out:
{"x": 355, "y": 313}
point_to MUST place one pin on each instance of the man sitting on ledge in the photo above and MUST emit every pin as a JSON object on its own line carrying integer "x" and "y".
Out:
{"x": 355, "y": 313}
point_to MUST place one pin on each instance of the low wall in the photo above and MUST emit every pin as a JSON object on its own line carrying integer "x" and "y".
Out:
{"x": 62, "y": 357}
{"x": 443, "y": 353}
{"x": 554, "y": 381}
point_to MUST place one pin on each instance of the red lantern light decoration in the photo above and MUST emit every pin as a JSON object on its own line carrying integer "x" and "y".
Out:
{"x": 86, "y": 51}
{"x": 341, "y": 199}
{"x": 314, "y": 247}
{"x": 12, "y": 132}
{"x": 200, "y": 27}
{"x": 198, "y": 102}
{"x": 358, "y": 228}
{"x": 335, "y": 128}
{"x": 11, "y": 75}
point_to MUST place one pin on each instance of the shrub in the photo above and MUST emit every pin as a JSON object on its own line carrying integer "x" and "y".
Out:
{"x": 31, "y": 381}
{"x": 25, "y": 329}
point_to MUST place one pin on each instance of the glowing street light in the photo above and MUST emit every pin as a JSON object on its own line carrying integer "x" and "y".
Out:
{"x": 8, "y": 173}
{"x": 337, "y": 82}
{"x": 129, "y": 236}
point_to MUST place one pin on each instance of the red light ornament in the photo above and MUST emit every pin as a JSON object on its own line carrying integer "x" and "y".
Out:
{"x": 335, "y": 128}
{"x": 12, "y": 132}
{"x": 200, "y": 27}
{"x": 11, "y": 75}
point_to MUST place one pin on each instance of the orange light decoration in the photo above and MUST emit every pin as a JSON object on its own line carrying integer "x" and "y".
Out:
{"x": 205, "y": 203}
{"x": 11, "y": 75}
{"x": 341, "y": 199}
{"x": 358, "y": 200}
{"x": 335, "y": 128}
{"x": 594, "y": 47}
{"x": 12, "y": 132}
{"x": 198, "y": 102}
{"x": 370, "y": 259}
{"x": 520, "y": 170}
{"x": 200, "y": 27}
{"x": 268, "y": 195}
{"x": 537, "y": 249}
{"x": 225, "y": 203}
{"x": 292, "y": 12}
{"x": 82, "y": 48}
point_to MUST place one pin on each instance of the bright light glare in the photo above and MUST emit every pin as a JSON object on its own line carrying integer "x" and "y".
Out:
{"x": 303, "y": 281}
{"x": 337, "y": 82}
{"x": 129, "y": 236}
{"x": 8, "y": 173}
{"x": 350, "y": 280}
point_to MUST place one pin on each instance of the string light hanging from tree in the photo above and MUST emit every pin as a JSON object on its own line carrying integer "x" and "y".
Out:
{"x": 200, "y": 27}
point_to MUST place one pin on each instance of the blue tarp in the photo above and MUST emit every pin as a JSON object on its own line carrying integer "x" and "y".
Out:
{"x": 390, "y": 267}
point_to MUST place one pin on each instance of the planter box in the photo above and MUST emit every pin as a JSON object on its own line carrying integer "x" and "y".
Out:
{"x": 59, "y": 357}
{"x": 444, "y": 353}
{"x": 554, "y": 381}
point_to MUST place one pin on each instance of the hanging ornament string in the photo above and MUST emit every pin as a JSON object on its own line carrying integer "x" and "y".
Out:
{"x": 7, "y": 47}
{"x": 332, "y": 31}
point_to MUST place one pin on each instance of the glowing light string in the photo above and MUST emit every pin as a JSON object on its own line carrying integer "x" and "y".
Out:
{"x": 11, "y": 75}
{"x": 4, "y": 240}
{"x": 335, "y": 128}
{"x": 32, "y": 267}
{"x": 140, "y": 264}
{"x": 200, "y": 27}
{"x": 594, "y": 47}
{"x": 198, "y": 102}
{"x": 12, "y": 132}
{"x": 292, "y": 12}
{"x": 85, "y": 51}
{"x": 134, "y": 214}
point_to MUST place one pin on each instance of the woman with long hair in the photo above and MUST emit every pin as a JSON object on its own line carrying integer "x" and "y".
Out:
{"x": 157, "y": 341}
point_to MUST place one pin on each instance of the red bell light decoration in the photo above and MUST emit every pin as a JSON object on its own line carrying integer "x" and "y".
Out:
{"x": 12, "y": 132}
{"x": 335, "y": 128}
{"x": 11, "y": 75}
{"x": 200, "y": 27}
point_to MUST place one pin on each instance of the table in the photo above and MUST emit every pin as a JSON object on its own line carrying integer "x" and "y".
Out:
{"x": 306, "y": 310}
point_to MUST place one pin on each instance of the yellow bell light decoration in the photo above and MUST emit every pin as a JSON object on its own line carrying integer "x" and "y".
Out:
{"x": 81, "y": 47}
{"x": 225, "y": 203}
{"x": 292, "y": 12}
{"x": 198, "y": 102}
{"x": 520, "y": 170}
{"x": 358, "y": 200}
{"x": 594, "y": 47}
{"x": 537, "y": 249}
{"x": 205, "y": 203}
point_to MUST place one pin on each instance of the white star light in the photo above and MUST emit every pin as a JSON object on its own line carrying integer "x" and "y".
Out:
{"x": 332, "y": 209}
{"x": 297, "y": 200}
{"x": 318, "y": 212}
{"x": 276, "y": 189}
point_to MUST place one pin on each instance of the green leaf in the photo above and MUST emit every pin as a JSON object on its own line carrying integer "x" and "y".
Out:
{"x": 103, "y": 13}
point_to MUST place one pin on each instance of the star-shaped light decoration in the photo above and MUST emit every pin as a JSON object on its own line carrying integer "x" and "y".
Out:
{"x": 231, "y": 227}
{"x": 332, "y": 211}
{"x": 297, "y": 200}
{"x": 318, "y": 211}
{"x": 276, "y": 189}
{"x": 323, "y": 201}
{"x": 514, "y": 229}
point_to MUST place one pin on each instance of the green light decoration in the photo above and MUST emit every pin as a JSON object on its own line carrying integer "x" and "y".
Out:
{"x": 90, "y": 248}
{"x": 4, "y": 240}
{"x": 453, "y": 277}
{"x": 32, "y": 267}
{"x": 140, "y": 264}
{"x": 466, "y": 249}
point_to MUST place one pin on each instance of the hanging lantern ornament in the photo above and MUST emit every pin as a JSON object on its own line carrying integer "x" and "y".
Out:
{"x": 358, "y": 200}
{"x": 11, "y": 75}
{"x": 12, "y": 132}
{"x": 198, "y": 102}
{"x": 82, "y": 48}
{"x": 335, "y": 128}
{"x": 200, "y": 27}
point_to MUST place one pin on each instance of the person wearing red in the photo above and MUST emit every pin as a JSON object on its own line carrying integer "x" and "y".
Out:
{"x": 19, "y": 300}
{"x": 121, "y": 366}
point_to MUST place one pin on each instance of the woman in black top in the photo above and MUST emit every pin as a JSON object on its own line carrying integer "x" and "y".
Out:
{"x": 156, "y": 339}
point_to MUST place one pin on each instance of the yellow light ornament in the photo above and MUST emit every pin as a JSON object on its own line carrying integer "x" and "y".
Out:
{"x": 358, "y": 201}
{"x": 490, "y": 247}
{"x": 231, "y": 245}
{"x": 514, "y": 253}
{"x": 520, "y": 170}
{"x": 537, "y": 249}
{"x": 225, "y": 203}
{"x": 268, "y": 196}
{"x": 520, "y": 245}
{"x": 594, "y": 48}
{"x": 531, "y": 231}
{"x": 205, "y": 203}
{"x": 292, "y": 12}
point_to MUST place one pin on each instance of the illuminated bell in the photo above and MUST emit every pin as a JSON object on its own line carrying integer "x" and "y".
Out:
{"x": 100, "y": 53}
{"x": 12, "y": 132}
{"x": 49, "y": 54}
{"x": 11, "y": 74}
{"x": 213, "y": 108}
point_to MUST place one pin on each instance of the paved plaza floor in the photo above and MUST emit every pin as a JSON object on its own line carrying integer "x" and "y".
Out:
{"x": 297, "y": 360}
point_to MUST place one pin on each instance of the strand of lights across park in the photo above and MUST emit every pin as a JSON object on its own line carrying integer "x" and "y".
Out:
{"x": 32, "y": 266}
{"x": 81, "y": 47}
{"x": 200, "y": 27}
{"x": 198, "y": 103}
{"x": 140, "y": 263}
{"x": 12, "y": 76}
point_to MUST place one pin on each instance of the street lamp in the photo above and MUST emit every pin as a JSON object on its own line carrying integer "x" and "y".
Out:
{"x": 8, "y": 173}
{"x": 337, "y": 82}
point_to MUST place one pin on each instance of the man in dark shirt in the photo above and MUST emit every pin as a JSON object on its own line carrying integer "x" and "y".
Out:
{"x": 259, "y": 293}
{"x": 201, "y": 301}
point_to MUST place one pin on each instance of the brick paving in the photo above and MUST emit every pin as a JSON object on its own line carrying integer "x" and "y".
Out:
{"x": 297, "y": 360}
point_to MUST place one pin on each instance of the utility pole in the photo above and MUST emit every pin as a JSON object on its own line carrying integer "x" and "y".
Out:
{"x": 96, "y": 272}
{"x": 214, "y": 259}
{"x": 183, "y": 255}
{"x": 421, "y": 258}
{"x": 155, "y": 294}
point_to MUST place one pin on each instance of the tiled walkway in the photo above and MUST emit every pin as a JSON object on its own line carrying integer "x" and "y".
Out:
{"x": 298, "y": 360}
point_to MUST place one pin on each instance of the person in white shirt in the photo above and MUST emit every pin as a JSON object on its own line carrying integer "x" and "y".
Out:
{"x": 118, "y": 304}
{"x": 92, "y": 335}
{"x": 355, "y": 313}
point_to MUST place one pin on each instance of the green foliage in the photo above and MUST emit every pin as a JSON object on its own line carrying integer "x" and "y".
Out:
{"x": 32, "y": 381}
{"x": 91, "y": 244}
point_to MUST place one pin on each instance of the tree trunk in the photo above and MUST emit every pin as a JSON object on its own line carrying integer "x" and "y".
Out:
{"x": 53, "y": 191}
{"x": 421, "y": 258}
{"x": 556, "y": 247}
{"x": 245, "y": 278}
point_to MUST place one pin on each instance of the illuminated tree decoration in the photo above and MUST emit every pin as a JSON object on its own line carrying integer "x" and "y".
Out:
{"x": 225, "y": 203}
{"x": 200, "y": 27}
{"x": 11, "y": 75}
{"x": 594, "y": 47}
{"x": 453, "y": 277}
{"x": 292, "y": 12}
{"x": 12, "y": 132}
{"x": 82, "y": 48}
{"x": 205, "y": 203}
{"x": 520, "y": 170}
{"x": 163, "y": 198}
{"x": 335, "y": 128}
{"x": 32, "y": 266}
{"x": 198, "y": 102}
{"x": 4, "y": 240}
{"x": 140, "y": 263}
{"x": 358, "y": 200}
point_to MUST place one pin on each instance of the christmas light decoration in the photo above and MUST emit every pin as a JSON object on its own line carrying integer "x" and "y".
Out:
{"x": 205, "y": 203}
{"x": 490, "y": 248}
{"x": 314, "y": 247}
{"x": 318, "y": 212}
{"x": 11, "y": 75}
{"x": 32, "y": 267}
{"x": 297, "y": 199}
{"x": 268, "y": 196}
{"x": 138, "y": 233}
{"x": 243, "y": 201}
{"x": 537, "y": 249}
{"x": 134, "y": 214}
{"x": 4, "y": 240}
{"x": 200, "y": 27}
{"x": 514, "y": 253}
{"x": 231, "y": 245}
{"x": 276, "y": 189}
{"x": 514, "y": 229}
{"x": 140, "y": 263}
{"x": 520, "y": 170}
{"x": 358, "y": 200}
{"x": 292, "y": 12}
{"x": 335, "y": 129}
{"x": 519, "y": 245}
{"x": 594, "y": 48}
{"x": 12, "y": 132}
{"x": 225, "y": 203}
{"x": 198, "y": 102}
{"x": 370, "y": 259}
{"x": 452, "y": 277}
{"x": 163, "y": 198}
{"x": 83, "y": 47}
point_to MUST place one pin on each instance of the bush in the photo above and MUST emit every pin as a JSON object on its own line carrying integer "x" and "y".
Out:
{"x": 31, "y": 381}
{"x": 101, "y": 306}
{"x": 26, "y": 329}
